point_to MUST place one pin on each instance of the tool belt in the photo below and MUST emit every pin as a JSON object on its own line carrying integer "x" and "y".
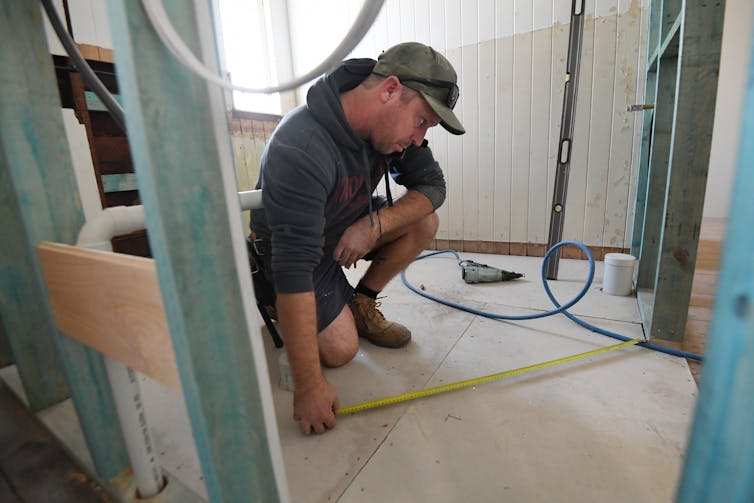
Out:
{"x": 263, "y": 289}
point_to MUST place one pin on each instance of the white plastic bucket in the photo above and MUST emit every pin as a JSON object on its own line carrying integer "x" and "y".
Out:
{"x": 619, "y": 274}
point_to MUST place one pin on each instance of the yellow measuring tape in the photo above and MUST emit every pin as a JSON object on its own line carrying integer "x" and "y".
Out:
{"x": 413, "y": 395}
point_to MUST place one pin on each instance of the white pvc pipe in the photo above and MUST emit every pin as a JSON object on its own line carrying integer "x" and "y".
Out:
{"x": 114, "y": 221}
{"x": 251, "y": 199}
{"x": 136, "y": 433}
{"x": 97, "y": 233}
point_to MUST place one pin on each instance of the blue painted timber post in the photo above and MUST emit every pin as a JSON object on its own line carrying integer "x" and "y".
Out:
{"x": 6, "y": 354}
{"x": 180, "y": 144}
{"x": 39, "y": 201}
{"x": 720, "y": 459}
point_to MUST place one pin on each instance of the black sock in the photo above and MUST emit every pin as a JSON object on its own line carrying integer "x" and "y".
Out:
{"x": 360, "y": 288}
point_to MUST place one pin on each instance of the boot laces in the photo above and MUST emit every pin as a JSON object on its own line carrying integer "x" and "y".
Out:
{"x": 373, "y": 313}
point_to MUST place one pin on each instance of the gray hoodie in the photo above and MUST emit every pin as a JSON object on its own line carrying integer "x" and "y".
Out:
{"x": 317, "y": 177}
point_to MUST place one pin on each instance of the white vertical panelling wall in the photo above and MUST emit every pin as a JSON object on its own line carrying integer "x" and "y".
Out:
{"x": 468, "y": 69}
{"x": 641, "y": 38}
{"x": 539, "y": 198}
{"x": 602, "y": 85}
{"x": 619, "y": 201}
{"x": 486, "y": 121}
{"x": 522, "y": 70}
{"x": 503, "y": 113}
{"x": 510, "y": 56}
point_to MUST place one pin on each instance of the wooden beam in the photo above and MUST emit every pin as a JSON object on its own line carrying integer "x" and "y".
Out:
{"x": 6, "y": 354}
{"x": 111, "y": 302}
{"x": 39, "y": 201}
{"x": 720, "y": 454}
{"x": 650, "y": 91}
{"x": 687, "y": 175}
{"x": 119, "y": 182}
{"x": 657, "y": 175}
{"x": 194, "y": 222}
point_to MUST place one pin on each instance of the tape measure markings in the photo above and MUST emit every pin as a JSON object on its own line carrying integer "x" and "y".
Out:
{"x": 413, "y": 395}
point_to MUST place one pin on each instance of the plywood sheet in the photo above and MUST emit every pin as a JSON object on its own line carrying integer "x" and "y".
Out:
{"x": 111, "y": 302}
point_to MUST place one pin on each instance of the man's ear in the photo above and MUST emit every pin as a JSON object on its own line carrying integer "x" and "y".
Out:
{"x": 390, "y": 88}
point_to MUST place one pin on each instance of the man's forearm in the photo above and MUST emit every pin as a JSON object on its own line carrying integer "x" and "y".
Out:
{"x": 410, "y": 208}
{"x": 297, "y": 315}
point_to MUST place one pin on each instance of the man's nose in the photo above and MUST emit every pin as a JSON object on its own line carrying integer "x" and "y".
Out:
{"x": 418, "y": 137}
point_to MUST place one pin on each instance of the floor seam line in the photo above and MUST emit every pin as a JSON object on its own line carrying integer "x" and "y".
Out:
{"x": 402, "y": 415}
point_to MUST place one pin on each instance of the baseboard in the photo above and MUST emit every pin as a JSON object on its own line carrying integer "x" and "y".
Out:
{"x": 524, "y": 249}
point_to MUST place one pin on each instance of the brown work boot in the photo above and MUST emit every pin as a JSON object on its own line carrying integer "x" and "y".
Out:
{"x": 372, "y": 325}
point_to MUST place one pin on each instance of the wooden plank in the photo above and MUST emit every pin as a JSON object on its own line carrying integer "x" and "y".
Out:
{"x": 687, "y": 177}
{"x": 6, "y": 353}
{"x": 39, "y": 201}
{"x": 111, "y": 302}
{"x": 204, "y": 274}
{"x": 720, "y": 454}
{"x": 657, "y": 175}
{"x": 77, "y": 90}
{"x": 94, "y": 103}
{"x": 119, "y": 183}
{"x": 642, "y": 176}
{"x": 26, "y": 103}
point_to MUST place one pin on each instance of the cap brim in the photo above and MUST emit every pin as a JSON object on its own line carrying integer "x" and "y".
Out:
{"x": 448, "y": 119}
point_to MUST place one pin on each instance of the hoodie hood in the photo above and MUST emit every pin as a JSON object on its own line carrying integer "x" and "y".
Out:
{"x": 323, "y": 100}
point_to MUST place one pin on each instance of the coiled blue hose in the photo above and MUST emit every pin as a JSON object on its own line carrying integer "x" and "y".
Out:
{"x": 558, "y": 308}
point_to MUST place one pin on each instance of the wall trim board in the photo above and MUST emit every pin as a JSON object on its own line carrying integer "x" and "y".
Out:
{"x": 520, "y": 249}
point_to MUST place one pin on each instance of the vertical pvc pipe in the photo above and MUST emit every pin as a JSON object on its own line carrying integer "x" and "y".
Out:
{"x": 133, "y": 423}
{"x": 126, "y": 391}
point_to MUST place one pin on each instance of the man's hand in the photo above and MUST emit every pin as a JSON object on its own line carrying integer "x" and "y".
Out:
{"x": 358, "y": 240}
{"x": 315, "y": 406}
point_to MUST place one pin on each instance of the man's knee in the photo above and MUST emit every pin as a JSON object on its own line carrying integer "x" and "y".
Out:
{"x": 339, "y": 342}
{"x": 337, "y": 353}
{"x": 426, "y": 228}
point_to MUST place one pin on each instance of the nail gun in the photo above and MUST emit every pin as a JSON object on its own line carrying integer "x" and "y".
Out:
{"x": 474, "y": 272}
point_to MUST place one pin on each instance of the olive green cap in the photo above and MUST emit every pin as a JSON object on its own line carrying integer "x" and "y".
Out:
{"x": 426, "y": 71}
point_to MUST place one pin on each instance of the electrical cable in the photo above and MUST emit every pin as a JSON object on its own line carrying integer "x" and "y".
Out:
{"x": 91, "y": 79}
{"x": 161, "y": 23}
{"x": 559, "y": 308}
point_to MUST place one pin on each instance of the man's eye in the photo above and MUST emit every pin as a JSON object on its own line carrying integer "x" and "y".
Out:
{"x": 421, "y": 122}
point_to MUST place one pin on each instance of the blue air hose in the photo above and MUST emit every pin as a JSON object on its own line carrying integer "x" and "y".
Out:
{"x": 558, "y": 308}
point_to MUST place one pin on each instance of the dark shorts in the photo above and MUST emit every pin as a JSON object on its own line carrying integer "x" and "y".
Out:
{"x": 332, "y": 290}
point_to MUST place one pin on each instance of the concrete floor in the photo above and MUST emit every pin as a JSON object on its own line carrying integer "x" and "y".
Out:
{"x": 612, "y": 427}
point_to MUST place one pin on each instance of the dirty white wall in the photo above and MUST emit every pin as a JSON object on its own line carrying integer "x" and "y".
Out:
{"x": 735, "y": 52}
{"x": 510, "y": 56}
